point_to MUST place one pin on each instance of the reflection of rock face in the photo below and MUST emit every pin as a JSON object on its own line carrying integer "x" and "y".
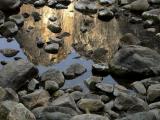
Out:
{"x": 100, "y": 34}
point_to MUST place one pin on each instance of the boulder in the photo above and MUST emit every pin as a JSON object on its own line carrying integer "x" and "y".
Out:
{"x": 15, "y": 74}
{"x": 131, "y": 61}
{"x": 53, "y": 75}
{"x": 153, "y": 92}
{"x": 153, "y": 14}
{"x": 89, "y": 117}
{"x": 9, "y": 4}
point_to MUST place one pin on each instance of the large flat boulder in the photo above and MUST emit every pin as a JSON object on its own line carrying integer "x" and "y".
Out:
{"x": 135, "y": 61}
{"x": 15, "y": 74}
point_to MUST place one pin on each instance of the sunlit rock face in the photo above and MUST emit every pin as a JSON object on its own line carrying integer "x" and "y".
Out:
{"x": 99, "y": 34}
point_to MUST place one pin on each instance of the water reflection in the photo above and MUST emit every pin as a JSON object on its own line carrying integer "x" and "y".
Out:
{"x": 101, "y": 34}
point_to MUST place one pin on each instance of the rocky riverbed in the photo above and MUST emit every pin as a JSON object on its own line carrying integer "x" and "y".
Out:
{"x": 79, "y": 60}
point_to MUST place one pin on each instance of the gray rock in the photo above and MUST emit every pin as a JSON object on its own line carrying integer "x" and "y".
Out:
{"x": 20, "y": 112}
{"x": 100, "y": 69}
{"x": 106, "y": 2}
{"x": 58, "y": 93}
{"x": 54, "y": 27}
{"x": 104, "y": 98}
{"x": 2, "y": 17}
{"x": 136, "y": 61}
{"x": 11, "y": 95}
{"x": 135, "y": 20}
{"x": 155, "y": 105}
{"x": 89, "y": 117}
{"x": 53, "y": 75}
{"x": 153, "y": 92}
{"x": 65, "y": 101}
{"x": 9, "y": 28}
{"x": 74, "y": 71}
{"x": 33, "y": 84}
{"x": 139, "y": 87}
{"x": 56, "y": 40}
{"x": 153, "y": 14}
{"x": 151, "y": 30}
{"x": 9, "y": 4}
{"x": 39, "y": 3}
{"x": 92, "y": 81}
{"x": 15, "y": 74}
{"x": 85, "y": 6}
{"x": 138, "y": 5}
{"x": 51, "y": 86}
{"x": 151, "y": 81}
{"x": 38, "y": 97}
{"x": 36, "y": 16}
{"x": 52, "y": 48}
{"x": 53, "y": 18}
{"x": 90, "y": 105}
{"x": 57, "y": 116}
{"x": 119, "y": 89}
{"x": 18, "y": 19}
{"x": 5, "y": 108}
{"x": 108, "y": 88}
{"x": 154, "y": 1}
{"x": 148, "y": 23}
{"x": 8, "y": 52}
{"x": 77, "y": 95}
{"x": 105, "y": 14}
{"x": 127, "y": 102}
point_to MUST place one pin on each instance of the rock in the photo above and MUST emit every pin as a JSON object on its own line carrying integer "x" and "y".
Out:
{"x": 91, "y": 96}
{"x": 140, "y": 116}
{"x": 39, "y": 3}
{"x": 22, "y": 93}
{"x": 139, "y": 87}
{"x": 105, "y": 98}
{"x": 148, "y": 23}
{"x": 129, "y": 39}
{"x": 5, "y": 108}
{"x": 18, "y": 19}
{"x": 20, "y": 112}
{"x": 58, "y": 93}
{"x": 55, "y": 40}
{"x": 52, "y": 18}
{"x": 74, "y": 71}
{"x": 57, "y": 116}
{"x": 77, "y": 95}
{"x": 153, "y": 14}
{"x": 37, "y": 98}
{"x": 105, "y": 14}
{"x": 106, "y": 2}
{"x": 153, "y": 92}
{"x": 25, "y": 15}
{"x": 52, "y": 48}
{"x": 54, "y": 27}
{"x": 100, "y": 69}
{"x": 92, "y": 81}
{"x": 155, "y": 105}
{"x": 138, "y": 5}
{"x": 11, "y": 95}
{"x": 119, "y": 89}
{"x": 2, "y": 17}
{"x": 8, "y": 52}
{"x": 51, "y": 86}
{"x": 53, "y": 75}
{"x": 86, "y": 6}
{"x": 9, "y": 4}
{"x": 15, "y": 74}
{"x": 60, "y": 6}
{"x": 39, "y": 42}
{"x": 8, "y": 29}
{"x": 127, "y": 102}
{"x": 123, "y": 2}
{"x": 36, "y": 16}
{"x": 154, "y": 1}
{"x": 89, "y": 117}
{"x": 32, "y": 85}
{"x": 135, "y": 20}
{"x": 65, "y": 101}
{"x": 90, "y": 105}
{"x": 108, "y": 88}
{"x": 151, "y": 30}
{"x": 136, "y": 61}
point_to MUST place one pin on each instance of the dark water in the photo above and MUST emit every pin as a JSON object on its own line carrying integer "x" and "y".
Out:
{"x": 100, "y": 35}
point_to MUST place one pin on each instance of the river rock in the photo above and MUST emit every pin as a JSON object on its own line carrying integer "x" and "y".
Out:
{"x": 106, "y": 2}
{"x": 18, "y": 19}
{"x": 153, "y": 92}
{"x": 74, "y": 71}
{"x": 108, "y": 88}
{"x": 32, "y": 85}
{"x": 85, "y": 6}
{"x": 100, "y": 69}
{"x": 138, "y": 5}
{"x": 55, "y": 40}
{"x": 89, "y": 117}
{"x": 9, "y": 28}
{"x": 53, "y": 75}
{"x": 39, "y": 3}
{"x": 5, "y": 108}
{"x": 38, "y": 97}
{"x": 2, "y": 17}
{"x": 127, "y": 102}
{"x": 77, "y": 95}
{"x": 8, "y": 52}
{"x": 153, "y": 14}
{"x": 139, "y": 87}
{"x": 15, "y": 74}
{"x": 51, "y": 86}
{"x": 52, "y": 48}
{"x": 155, "y": 105}
{"x": 91, "y": 105}
{"x": 54, "y": 27}
{"x": 92, "y": 81}
{"x": 135, "y": 61}
{"x": 65, "y": 101}
{"x": 20, "y": 112}
{"x": 154, "y": 1}
{"x": 105, "y": 14}
{"x": 36, "y": 16}
{"x": 9, "y": 4}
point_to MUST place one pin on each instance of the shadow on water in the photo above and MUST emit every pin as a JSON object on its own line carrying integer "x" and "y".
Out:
{"x": 100, "y": 35}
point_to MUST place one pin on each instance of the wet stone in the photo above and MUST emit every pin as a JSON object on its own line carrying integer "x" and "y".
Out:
{"x": 51, "y": 86}
{"x": 8, "y": 52}
{"x": 77, "y": 95}
{"x": 52, "y": 48}
{"x": 33, "y": 85}
{"x": 74, "y": 71}
{"x": 54, "y": 27}
{"x": 18, "y": 19}
{"x": 153, "y": 92}
{"x": 36, "y": 16}
{"x": 139, "y": 87}
{"x": 39, "y": 3}
{"x": 53, "y": 18}
{"x": 105, "y": 14}
{"x": 100, "y": 69}
{"x": 108, "y": 88}
{"x": 9, "y": 5}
